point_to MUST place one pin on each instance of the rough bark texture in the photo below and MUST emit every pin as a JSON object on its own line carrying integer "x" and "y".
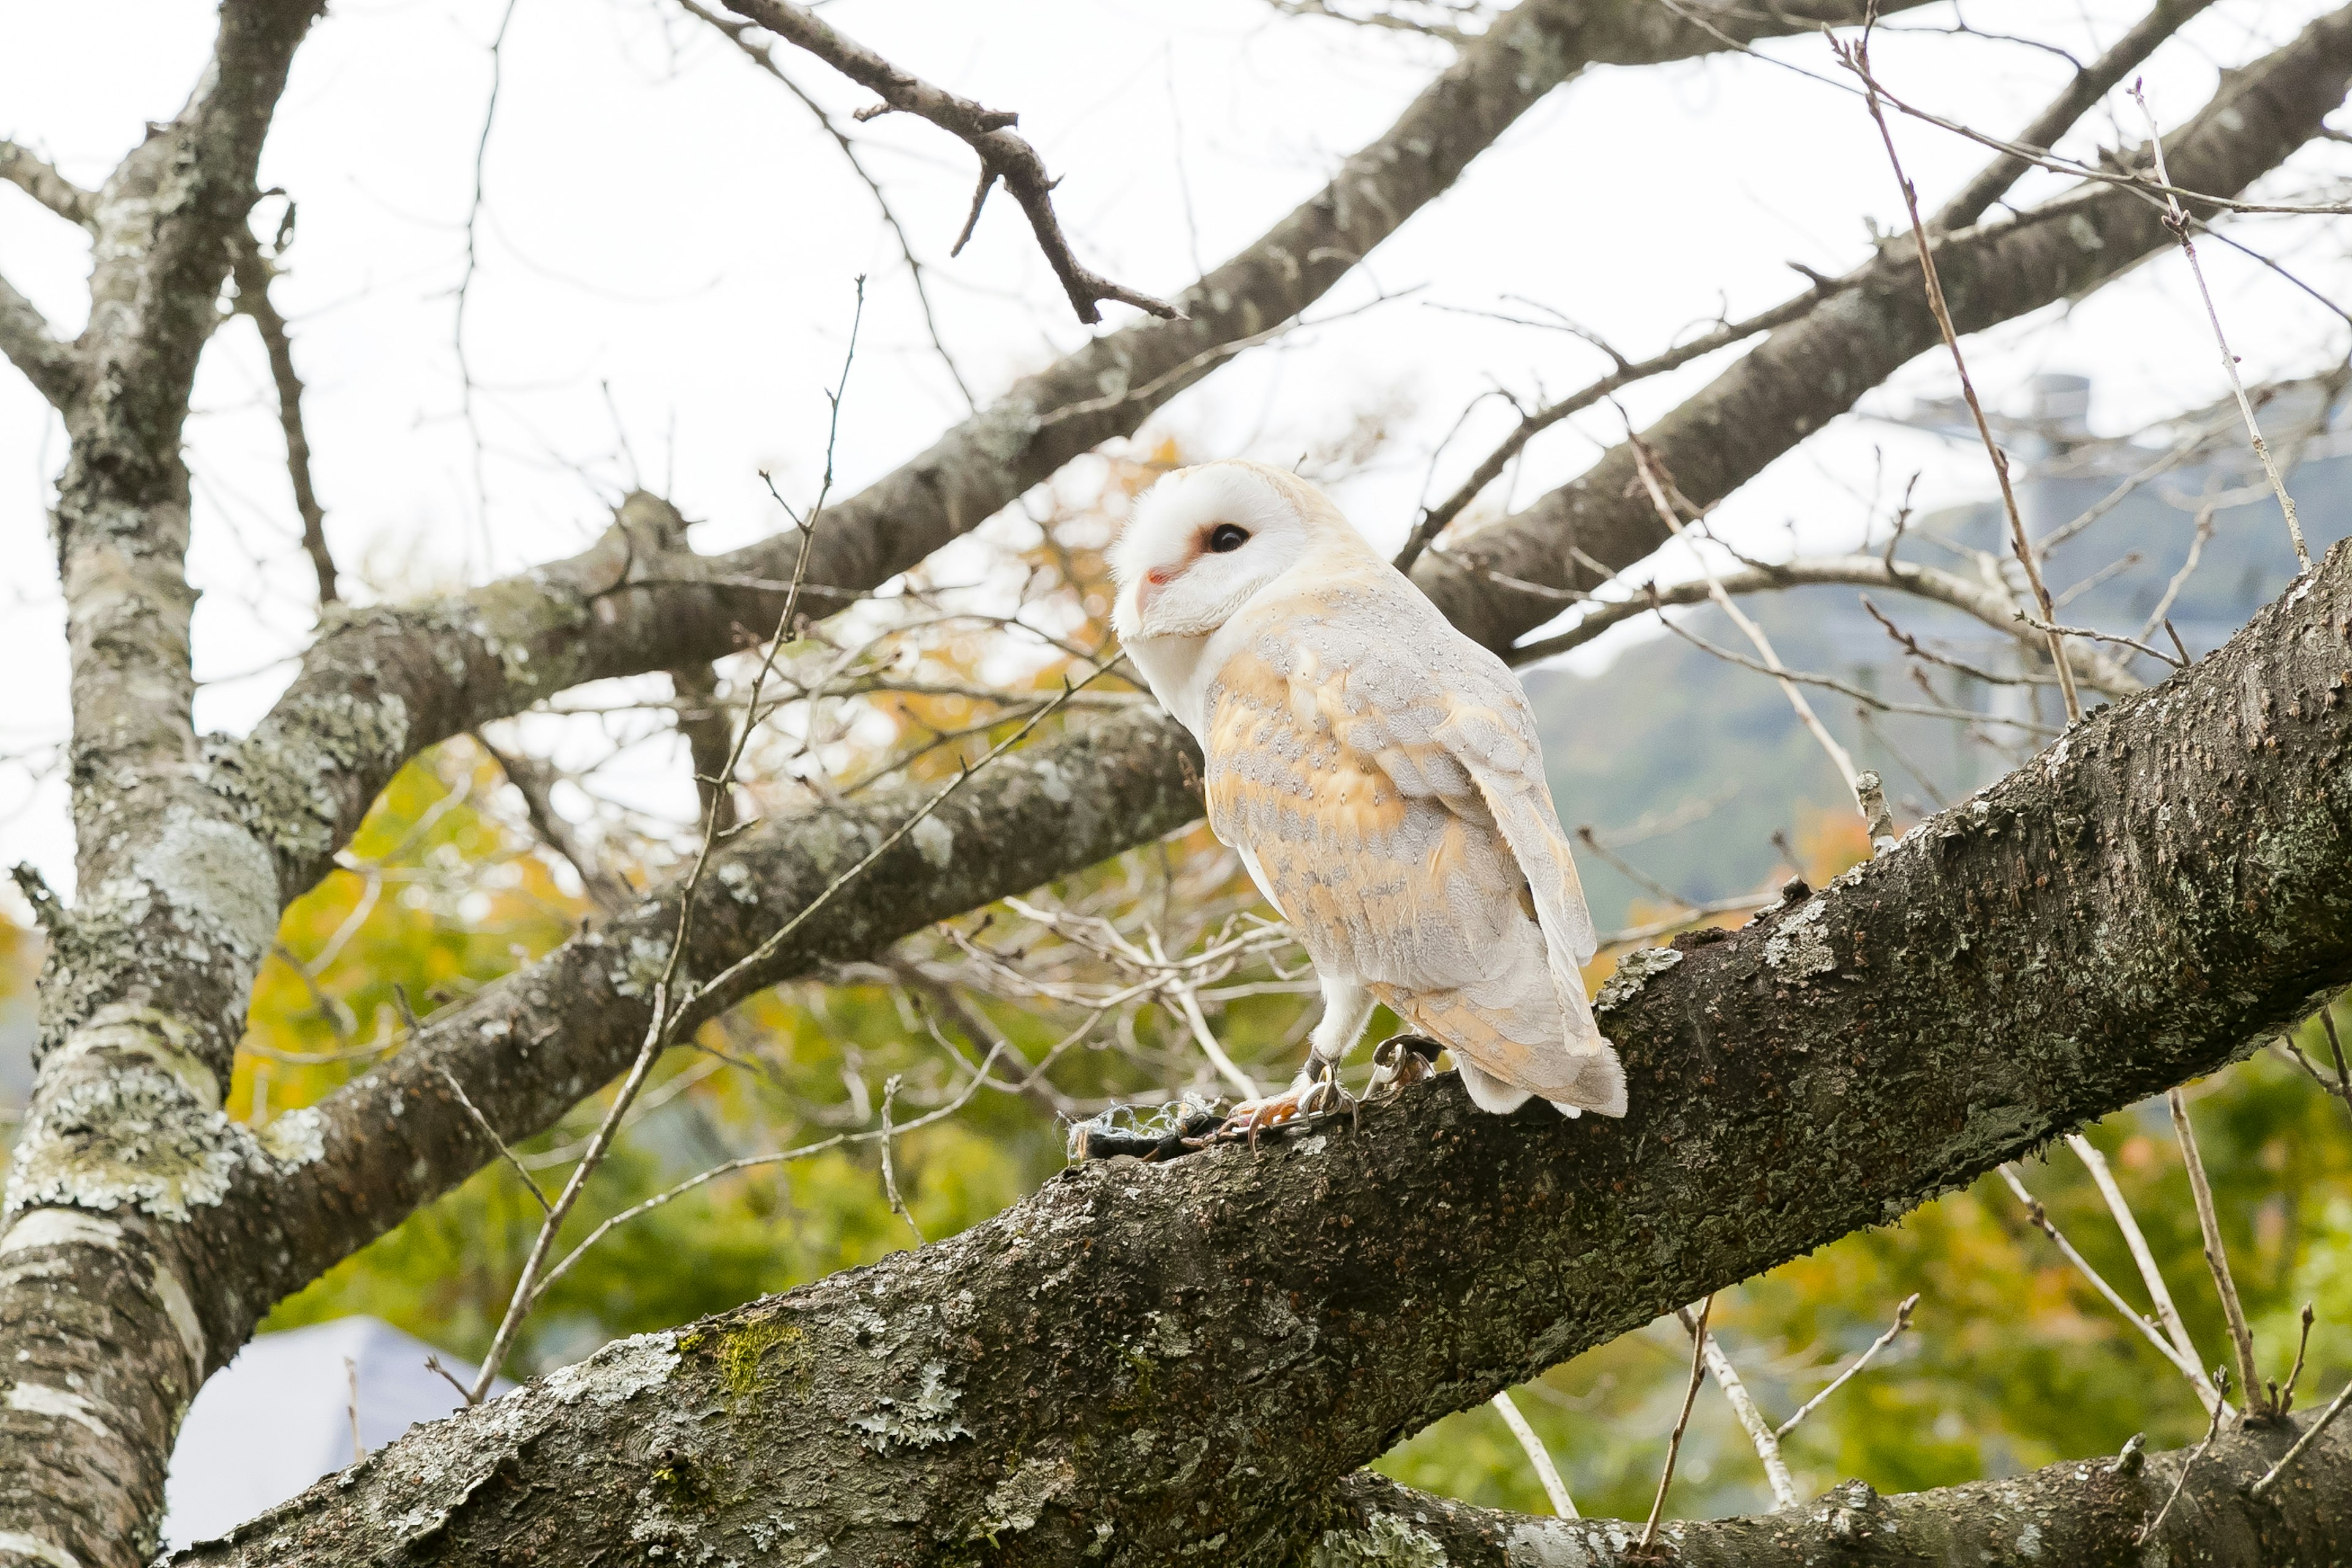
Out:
{"x": 1144, "y": 1361}
{"x": 144, "y": 991}
{"x": 2081, "y": 1513}
{"x": 383, "y": 683}
{"x": 1808, "y": 373}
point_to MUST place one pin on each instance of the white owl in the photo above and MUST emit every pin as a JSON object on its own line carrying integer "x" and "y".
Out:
{"x": 1378, "y": 774}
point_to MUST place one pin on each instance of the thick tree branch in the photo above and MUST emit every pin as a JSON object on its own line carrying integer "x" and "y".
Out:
{"x": 2136, "y": 907}
{"x": 2079, "y": 1512}
{"x": 382, "y": 684}
{"x": 1807, "y": 373}
{"x": 987, "y": 131}
{"x": 145, "y": 984}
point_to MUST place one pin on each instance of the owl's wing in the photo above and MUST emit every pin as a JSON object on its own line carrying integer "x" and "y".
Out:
{"x": 1442, "y": 717}
{"x": 1489, "y": 728}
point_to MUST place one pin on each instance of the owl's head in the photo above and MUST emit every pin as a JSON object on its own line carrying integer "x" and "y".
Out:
{"x": 1204, "y": 541}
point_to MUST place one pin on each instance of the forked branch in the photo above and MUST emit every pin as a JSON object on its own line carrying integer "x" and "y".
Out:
{"x": 987, "y": 131}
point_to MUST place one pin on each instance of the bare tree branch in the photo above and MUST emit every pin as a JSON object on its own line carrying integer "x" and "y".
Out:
{"x": 32, "y": 174}
{"x": 1807, "y": 373}
{"x": 987, "y": 131}
{"x": 56, "y": 371}
{"x": 252, "y": 273}
{"x": 1991, "y": 605}
{"x": 2091, "y": 84}
{"x": 384, "y": 683}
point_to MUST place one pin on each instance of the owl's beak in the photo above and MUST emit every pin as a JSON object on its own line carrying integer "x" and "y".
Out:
{"x": 1148, "y": 587}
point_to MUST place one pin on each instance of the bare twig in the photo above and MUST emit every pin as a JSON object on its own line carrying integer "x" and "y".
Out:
{"x": 1539, "y": 1457}
{"x": 351, "y": 1379}
{"x": 1894, "y": 1331}
{"x": 2150, "y": 1275}
{"x": 1991, "y": 606}
{"x": 2221, "y": 1377}
{"x": 2090, "y": 84}
{"x": 2177, "y": 220}
{"x": 1645, "y": 464}
{"x": 482, "y": 1122}
{"x": 1681, "y": 1422}
{"x": 2217, "y": 1257}
{"x": 665, "y": 1027}
{"x": 2310, "y": 1435}
{"x": 465, "y": 279}
{"x": 2186, "y": 1365}
{"x": 1743, "y": 1405}
{"x": 252, "y": 273}
{"x": 432, "y": 1365}
{"x": 754, "y": 1162}
{"x": 2054, "y": 629}
{"x": 535, "y": 781}
{"x": 890, "y": 1172}
{"x": 1433, "y": 520}
{"x": 1857, "y": 60}
{"x": 987, "y": 131}
{"x": 2285, "y": 1399}
{"x": 1188, "y": 1006}
{"x": 747, "y": 38}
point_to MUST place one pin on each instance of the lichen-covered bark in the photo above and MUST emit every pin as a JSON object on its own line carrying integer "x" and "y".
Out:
{"x": 1807, "y": 373}
{"x": 143, "y": 993}
{"x": 2082, "y": 1514}
{"x": 383, "y": 683}
{"x": 1143, "y": 1362}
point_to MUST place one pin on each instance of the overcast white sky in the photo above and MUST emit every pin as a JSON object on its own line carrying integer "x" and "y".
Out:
{"x": 663, "y": 221}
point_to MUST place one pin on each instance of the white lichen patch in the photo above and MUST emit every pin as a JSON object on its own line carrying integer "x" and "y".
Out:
{"x": 927, "y": 1419}
{"x": 135, "y": 1135}
{"x": 1801, "y": 948}
{"x": 297, "y": 1139}
{"x": 218, "y": 878}
{"x": 642, "y": 970}
{"x": 1018, "y": 1501}
{"x": 736, "y": 878}
{"x": 620, "y": 1370}
{"x": 60, "y": 1227}
{"x": 34, "y": 1548}
{"x": 1633, "y": 971}
{"x": 280, "y": 777}
{"x": 60, "y": 1405}
{"x": 121, "y": 1030}
{"x": 935, "y": 841}
{"x": 1385, "y": 1542}
{"x": 135, "y": 1139}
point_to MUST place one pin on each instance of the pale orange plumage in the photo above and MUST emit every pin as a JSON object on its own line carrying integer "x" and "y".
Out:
{"x": 1379, "y": 772}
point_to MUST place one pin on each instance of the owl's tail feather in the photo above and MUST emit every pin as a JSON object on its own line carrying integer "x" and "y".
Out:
{"x": 1509, "y": 1055}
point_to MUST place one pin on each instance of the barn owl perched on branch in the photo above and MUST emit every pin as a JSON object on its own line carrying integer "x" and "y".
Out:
{"x": 1378, "y": 774}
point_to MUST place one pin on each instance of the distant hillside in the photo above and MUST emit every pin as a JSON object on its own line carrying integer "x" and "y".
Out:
{"x": 1710, "y": 757}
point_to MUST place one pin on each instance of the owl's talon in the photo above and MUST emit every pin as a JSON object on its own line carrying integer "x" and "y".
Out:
{"x": 1402, "y": 1060}
{"x": 1324, "y": 1094}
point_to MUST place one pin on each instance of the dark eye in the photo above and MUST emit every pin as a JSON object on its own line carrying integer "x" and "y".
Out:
{"x": 1227, "y": 537}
